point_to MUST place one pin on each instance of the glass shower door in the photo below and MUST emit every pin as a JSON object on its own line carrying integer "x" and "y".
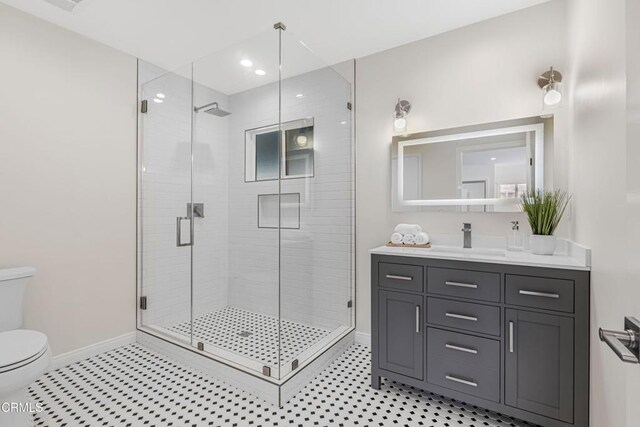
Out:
{"x": 317, "y": 204}
{"x": 236, "y": 177}
{"x": 165, "y": 232}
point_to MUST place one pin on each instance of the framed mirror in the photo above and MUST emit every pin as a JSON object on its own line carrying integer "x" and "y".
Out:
{"x": 482, "y": 168}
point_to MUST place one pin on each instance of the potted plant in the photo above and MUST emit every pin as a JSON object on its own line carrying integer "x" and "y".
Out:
{"x": 544, "y": 210}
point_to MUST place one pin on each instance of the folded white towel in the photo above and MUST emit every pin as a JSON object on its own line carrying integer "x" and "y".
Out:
{"x": 396, "y": 238}
{"x": 422, "y": 238}
{"x": 408, "y": 229}
{"x": 408, "y": 239}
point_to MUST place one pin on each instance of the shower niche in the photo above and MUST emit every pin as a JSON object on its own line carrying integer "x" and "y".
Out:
{"x": 259, "y": 291}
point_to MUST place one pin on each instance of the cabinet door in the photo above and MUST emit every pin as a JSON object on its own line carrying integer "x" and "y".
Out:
{"x": 401, "y": 333}
{"x": 539, "y": 363}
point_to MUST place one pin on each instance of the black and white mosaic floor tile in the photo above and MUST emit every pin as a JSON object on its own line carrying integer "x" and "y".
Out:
{"x": 252, "y": 334}
{"x": 135, "y": 386}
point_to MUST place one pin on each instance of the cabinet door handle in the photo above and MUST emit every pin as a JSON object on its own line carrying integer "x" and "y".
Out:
{"x": 510, "y": 337}
{"x": 461, "y": 316}
{"x": 463, "y": 349}
{"x": 462, "y": 285}
{"x": 417, "y": 319}
{"x": 396, "y": 277}
{"x": 461, "y": 381}
{"x": 539, "y": 294}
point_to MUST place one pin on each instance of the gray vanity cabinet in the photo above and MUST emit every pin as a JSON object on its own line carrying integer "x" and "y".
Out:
{"x": 402, "y": 349}
{"x": 539, "y": 363}
{"x": 508, "y": 338}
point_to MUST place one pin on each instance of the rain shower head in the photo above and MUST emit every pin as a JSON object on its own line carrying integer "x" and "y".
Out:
{"x": 213, "y": 109}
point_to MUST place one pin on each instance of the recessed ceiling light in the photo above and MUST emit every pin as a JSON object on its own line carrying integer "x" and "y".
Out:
{"x": 160, "y": 95}
{"x": 158, "y": 100}
{"x": 260, "y": 72}
{"x": 493, "y": 158}
{"x": 246, "y": 63}
{"x": 344, "y": 122}
{"x": 299, "y": 95}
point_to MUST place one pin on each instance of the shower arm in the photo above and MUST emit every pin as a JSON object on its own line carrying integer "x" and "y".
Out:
{"x": 212, "y": 104}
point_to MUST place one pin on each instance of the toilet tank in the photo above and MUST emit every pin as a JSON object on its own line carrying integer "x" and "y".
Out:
{"x": 13, "y": 282}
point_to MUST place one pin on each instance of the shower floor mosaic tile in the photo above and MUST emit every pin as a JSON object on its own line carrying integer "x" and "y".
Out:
{"x": 252, "y": 335}
{"x": 134, "y": 386}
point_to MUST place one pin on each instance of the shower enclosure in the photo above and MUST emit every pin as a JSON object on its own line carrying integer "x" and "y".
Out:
{"x": 246, "y": 205}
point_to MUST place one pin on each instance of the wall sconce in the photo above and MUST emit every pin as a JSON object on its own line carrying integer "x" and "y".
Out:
{"x": 403, "y": 108}
{"x": 550, "y": 83}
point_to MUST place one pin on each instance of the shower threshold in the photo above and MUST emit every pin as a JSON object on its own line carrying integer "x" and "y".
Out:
{"x": 218, "y": 349}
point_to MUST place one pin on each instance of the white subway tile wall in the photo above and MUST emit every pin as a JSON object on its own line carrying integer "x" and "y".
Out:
{"x": 315, "y": 261}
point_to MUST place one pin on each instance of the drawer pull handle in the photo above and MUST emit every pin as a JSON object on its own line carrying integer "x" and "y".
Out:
{"x": 463, "y": 349}
{"x": 461, "y": 381}
{"x": 417, "y": 319}
{"x": 539, "y": 294}
{"x": 461, "y": 316}
{"x": 462, "y": 285}
{"x": 395, "y": 277}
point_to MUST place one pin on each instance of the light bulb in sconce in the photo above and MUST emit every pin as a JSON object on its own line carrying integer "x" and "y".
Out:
{"x": 550, "y": 83}
{"x": 403, "y": 108}
{"x": 400, "y": 124}
{"x": 301, "y": 140}
{"x": 553, "y": 96}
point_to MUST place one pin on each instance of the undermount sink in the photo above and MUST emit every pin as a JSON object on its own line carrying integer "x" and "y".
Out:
{"x": 453, "y": 250}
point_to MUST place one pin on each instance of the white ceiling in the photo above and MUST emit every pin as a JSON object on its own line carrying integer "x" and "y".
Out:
{"x": 171, "y": 33}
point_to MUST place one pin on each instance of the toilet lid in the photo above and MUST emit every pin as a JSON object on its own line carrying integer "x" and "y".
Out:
{"x": 19, "y": 346}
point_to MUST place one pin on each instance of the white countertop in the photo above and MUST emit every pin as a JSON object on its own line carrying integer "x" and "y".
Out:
{"x": 569, "y": 255}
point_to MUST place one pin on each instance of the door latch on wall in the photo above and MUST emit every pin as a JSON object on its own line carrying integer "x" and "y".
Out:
{"x": 624, "y": 344}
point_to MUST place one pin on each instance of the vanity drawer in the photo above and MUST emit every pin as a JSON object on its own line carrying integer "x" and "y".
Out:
{"x": 469, "y": 379}
{"x": 540, "y": 292}
{"x": 464, "y": 283}
{"x": 464, "y": 315}
{"x": 483, "y": 353}
{"x": 401, "y": 276}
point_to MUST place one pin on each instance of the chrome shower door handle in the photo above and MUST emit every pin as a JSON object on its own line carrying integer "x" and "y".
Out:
{"x": 179, "y": 232}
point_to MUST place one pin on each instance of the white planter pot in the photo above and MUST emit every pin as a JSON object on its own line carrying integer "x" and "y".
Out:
{"x": 542, "y": 245}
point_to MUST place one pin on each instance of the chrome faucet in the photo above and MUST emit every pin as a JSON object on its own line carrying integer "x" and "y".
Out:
{"x": 466, "y": 229}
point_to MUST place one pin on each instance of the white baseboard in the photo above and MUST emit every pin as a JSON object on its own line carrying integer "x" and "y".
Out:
{"x": 363, "y": 338}
{"x": 74, "y": 356}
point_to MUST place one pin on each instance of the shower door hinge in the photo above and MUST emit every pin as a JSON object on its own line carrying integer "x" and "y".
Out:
{"x": 266, "y": 371}
{"x": 144, "y": 106}
{"x": 530, "y": 161}
{"x": 143, "y": 303}
{"x": 201, "y": 346}
{"x": 349, "y": 106}
{"x": 294, "y": 365}
{"x": 349, "y": 304}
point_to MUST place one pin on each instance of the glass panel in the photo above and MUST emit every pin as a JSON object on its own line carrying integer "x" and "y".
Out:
{"x": 316, "y": 263}
{"x": 236, "y": 170}
{"x": 164, "y": 232}
{"x": 267, "y": 147}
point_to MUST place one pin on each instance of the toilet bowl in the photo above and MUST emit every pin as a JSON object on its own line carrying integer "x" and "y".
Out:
{"x": 24, "y": 354}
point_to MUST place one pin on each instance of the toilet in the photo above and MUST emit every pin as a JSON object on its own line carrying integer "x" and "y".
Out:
{"x": 24, "y": 355}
